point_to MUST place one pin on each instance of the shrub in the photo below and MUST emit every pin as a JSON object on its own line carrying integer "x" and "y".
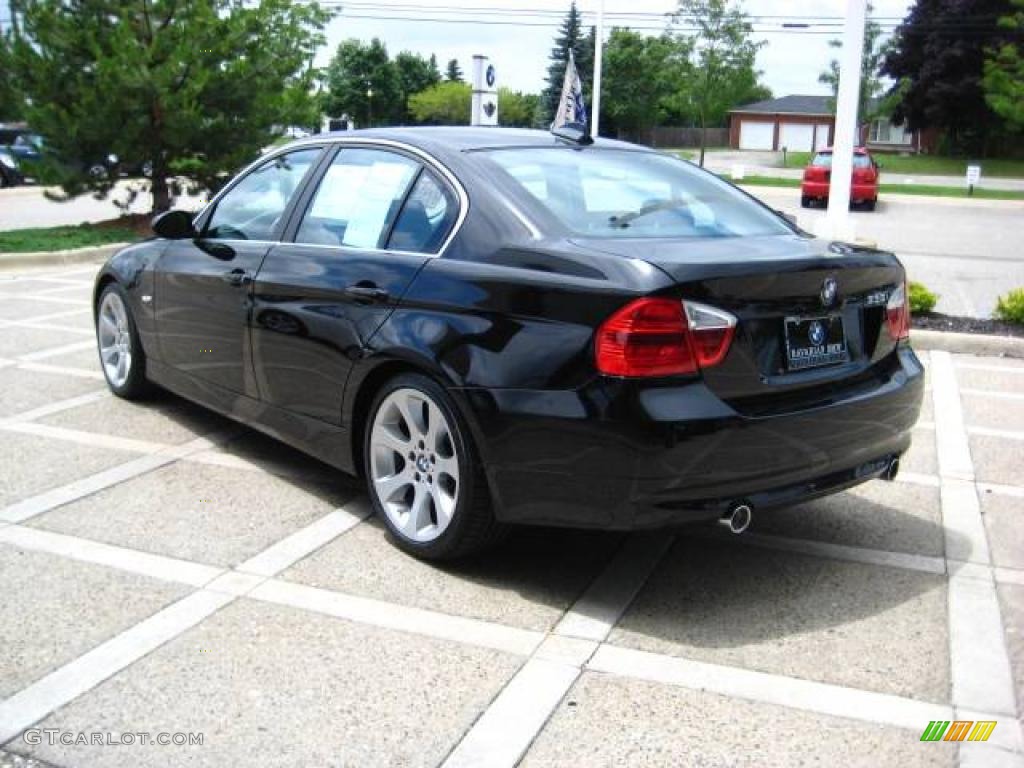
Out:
{"x": 1011, "y": 306}
{"x": 921, "y": 299}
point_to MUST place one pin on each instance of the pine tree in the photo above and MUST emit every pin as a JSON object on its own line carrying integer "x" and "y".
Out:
{"x": 570, "y": 37}
{"x": 453, "y": 73}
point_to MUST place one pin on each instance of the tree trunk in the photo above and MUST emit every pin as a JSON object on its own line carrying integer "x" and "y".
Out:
{"x": 161, "y": 191}
{"x": 703, "y": 138}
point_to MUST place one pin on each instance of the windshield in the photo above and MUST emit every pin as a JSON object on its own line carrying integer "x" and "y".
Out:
{"x": 623, "y": 193}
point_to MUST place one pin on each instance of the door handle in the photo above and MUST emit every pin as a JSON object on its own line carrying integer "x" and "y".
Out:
{"x": 235, "y": 277}
{"x": 367, "y": 294}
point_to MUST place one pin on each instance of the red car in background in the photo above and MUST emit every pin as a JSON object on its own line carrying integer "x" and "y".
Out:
{"x": 817, "y": 176}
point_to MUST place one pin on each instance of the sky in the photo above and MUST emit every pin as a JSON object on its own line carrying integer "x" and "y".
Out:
{"x": 791, "y": 61}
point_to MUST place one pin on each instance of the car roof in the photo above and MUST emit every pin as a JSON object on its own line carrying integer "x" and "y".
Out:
{"x": 465, "y": 138}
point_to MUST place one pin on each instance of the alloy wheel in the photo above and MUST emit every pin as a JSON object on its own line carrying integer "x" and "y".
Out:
{"x": 115, "y": 339}
{"x": 413, "y": 464}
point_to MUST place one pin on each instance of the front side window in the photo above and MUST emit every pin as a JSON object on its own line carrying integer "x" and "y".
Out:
{"x": 252, "y": 208}
{"x": 358, "y": 199}
{"x": 623, "y": 193}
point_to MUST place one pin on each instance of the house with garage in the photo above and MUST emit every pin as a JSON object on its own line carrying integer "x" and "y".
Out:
{"x": 806, "y": 123}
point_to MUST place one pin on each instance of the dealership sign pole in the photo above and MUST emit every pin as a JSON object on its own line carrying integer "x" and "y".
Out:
{"x": 838, "y": 218}
{"x": 595, "y": 115}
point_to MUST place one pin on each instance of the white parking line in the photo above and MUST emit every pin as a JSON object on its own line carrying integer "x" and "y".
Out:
{"x": 979, "y": 662}
{"x": 417, "y": 621}
{"x": 996, "y": 393}
{"x": 65, "y": 494}
{"x": 917, "y": 478}
{"x": 74, "y": 331}
{"x": 509, "y": 725}
{"x": 42, "y": 697}
{"x": 61, "y": 370}
{"x": 1007, "y": 434}
{"x": 1004, "y": 490}
{"x": 131, "y": 560}
{"x": 905, "y": 560}
{"x": 64, "y": 349}
{"x": 602, "y": 605}
{"x": 58, "y": 406}
{"x": 808, "y": 695}
{"x": 950, "y": 437}
{"x": 989, "y": 368}
{"x": 306, "y": 541}
{"x": 504, "y": 732}
{"x": 85, "y": 438}
{"x": 46, "y": 299}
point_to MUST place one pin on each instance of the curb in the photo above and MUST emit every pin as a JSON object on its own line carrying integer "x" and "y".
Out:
{"x": 969, "y": 343}
{"x": 59, "y": 258}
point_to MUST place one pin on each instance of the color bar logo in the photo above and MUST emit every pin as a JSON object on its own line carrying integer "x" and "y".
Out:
{"x": 958, "y": 730}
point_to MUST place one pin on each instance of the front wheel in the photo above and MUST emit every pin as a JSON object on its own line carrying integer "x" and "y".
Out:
{"x": 805, "y": 201}
{"x": 869, "y": 205}
{"x": 423, "y": 474}
{"x": 121, "y": 356}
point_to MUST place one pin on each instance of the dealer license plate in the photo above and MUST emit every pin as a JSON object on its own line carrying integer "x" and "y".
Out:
{"x": 815, "y": 341}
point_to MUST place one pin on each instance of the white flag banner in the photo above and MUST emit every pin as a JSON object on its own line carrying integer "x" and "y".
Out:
{"x": 570, "y": 107}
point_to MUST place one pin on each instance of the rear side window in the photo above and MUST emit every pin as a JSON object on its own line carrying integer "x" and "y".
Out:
{"x": 358, "y": 199}
{"x": 622, "y": 193}
{"x": 426, "y": 217}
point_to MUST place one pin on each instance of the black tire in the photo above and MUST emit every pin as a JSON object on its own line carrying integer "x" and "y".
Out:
{"x": 135, "y": 385}
{"x": 805, "y": 201}
{"x": 869, "y": 205}
{"x": 473, "y": 527}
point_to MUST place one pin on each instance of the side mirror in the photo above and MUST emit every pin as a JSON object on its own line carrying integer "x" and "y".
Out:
{"x": 174, "y": 225}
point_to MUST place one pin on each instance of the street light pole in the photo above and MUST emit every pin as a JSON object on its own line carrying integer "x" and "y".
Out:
{"x": 838, "y": 218}
{"x": 595, "y": 115}
{"x": 369, "y": 105}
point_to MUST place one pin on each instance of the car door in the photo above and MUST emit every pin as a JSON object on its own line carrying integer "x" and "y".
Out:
{"x": 203, "y": 285}
{"x": 375, "y": 218}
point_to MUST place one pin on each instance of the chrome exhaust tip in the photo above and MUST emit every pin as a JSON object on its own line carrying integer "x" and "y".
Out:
{"x": 738, "y": 518}
{"x": 892, "y": 470}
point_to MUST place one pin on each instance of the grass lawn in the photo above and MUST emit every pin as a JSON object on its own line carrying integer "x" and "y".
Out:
{"x": 124, "y": 230}
{"x": 929, "y": 165}
{"x": 893, "y": 189}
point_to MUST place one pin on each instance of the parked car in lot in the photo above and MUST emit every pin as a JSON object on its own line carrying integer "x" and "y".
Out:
{"x": 818, "y": 177}
{"x": 10, "y": 173}
{"x": 498, "y": 326}
{"x": 30, "y": 150}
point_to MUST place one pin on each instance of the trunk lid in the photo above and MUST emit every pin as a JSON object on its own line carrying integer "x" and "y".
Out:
{"x": 764, "y": 281}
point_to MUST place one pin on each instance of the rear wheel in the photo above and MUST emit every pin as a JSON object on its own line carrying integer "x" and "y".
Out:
{"x": 869, "y": 205}
{"x": 422, "y": 472}
{"x": 805, "y": 201}
{"x": 121, "y": 356}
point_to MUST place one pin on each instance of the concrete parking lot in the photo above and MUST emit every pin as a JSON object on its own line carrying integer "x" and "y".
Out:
{"x": 165, "y": 571}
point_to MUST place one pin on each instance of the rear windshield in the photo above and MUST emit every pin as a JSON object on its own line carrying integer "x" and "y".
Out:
{"x": 622, "y": 193}
{"x": 824, "y": 160}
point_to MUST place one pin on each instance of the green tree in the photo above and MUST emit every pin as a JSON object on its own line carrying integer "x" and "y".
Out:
{"x": 447, "y": 103}
{"x": 453, "y": 72}
{"x": 871, "y": 61}
{"x": 643, "y": 78}
{"x": 10, "y": 99}
{"x": 725, "y": 54}
{"x": 1003, "y": 80}
{"x": 570, "y": 37}
{"x": 516, "y": 109}
{"x": 194, "y": 88}
{"x": 937, "y": 62}
{"x": 415, "y": 74}
{"x": 363, "y": 83}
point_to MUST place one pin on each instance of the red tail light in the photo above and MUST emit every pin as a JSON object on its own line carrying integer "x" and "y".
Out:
{"x": 662, "y": 337}
{"x": 897, "y": 313}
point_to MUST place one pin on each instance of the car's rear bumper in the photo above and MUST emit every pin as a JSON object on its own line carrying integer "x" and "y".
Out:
{"x": 858, "y": 192}
{"x": 622, "y": 455}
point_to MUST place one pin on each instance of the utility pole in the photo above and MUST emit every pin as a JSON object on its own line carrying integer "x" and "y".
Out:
{"x": 595, "y": 115}
{"x": 838, "y": 224}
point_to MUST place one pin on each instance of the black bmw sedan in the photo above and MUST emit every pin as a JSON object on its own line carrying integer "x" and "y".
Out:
{"x": 501, "y": 326}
